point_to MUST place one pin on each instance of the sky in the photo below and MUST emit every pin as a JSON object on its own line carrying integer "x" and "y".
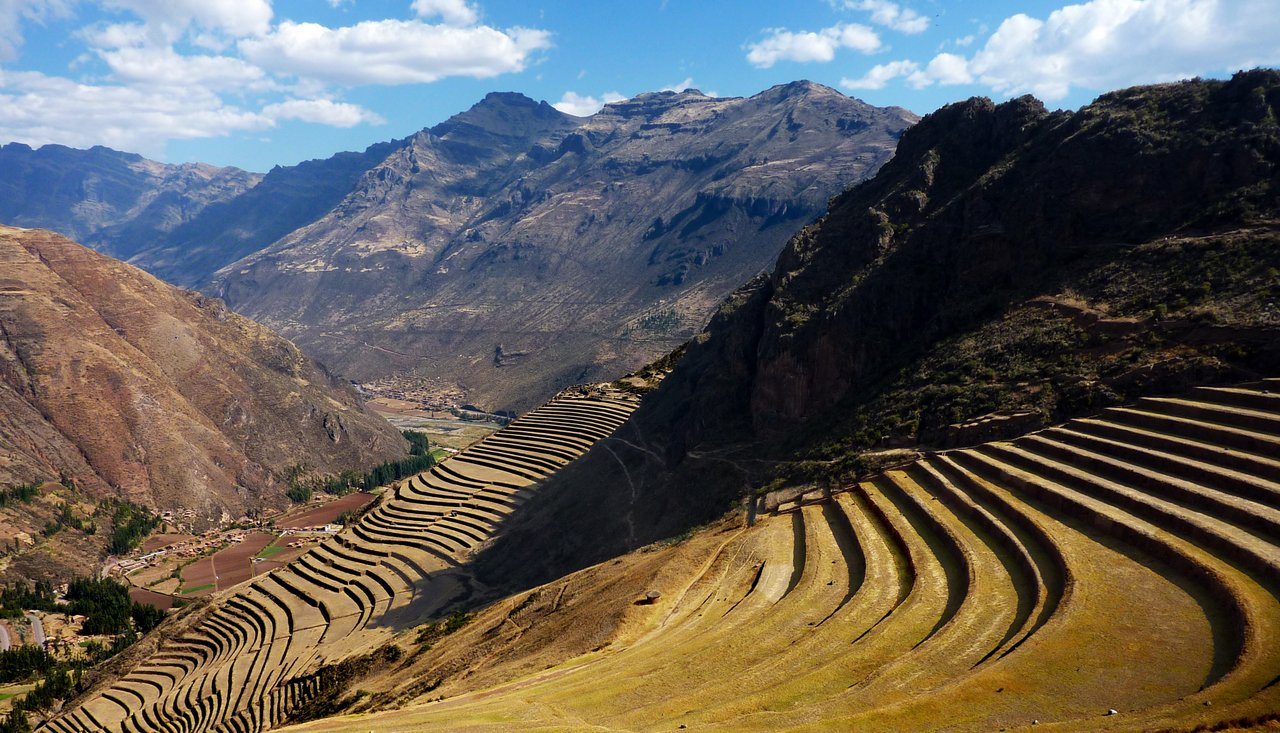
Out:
{"x": 259, "y": 83}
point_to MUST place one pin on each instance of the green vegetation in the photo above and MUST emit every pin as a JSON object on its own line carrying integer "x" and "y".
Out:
{"x": 108, "y": 608}
{"x": 270, "y": 550}
{"x": 17, "y": 598}
{"x": 22, "y": 493}
{"x": 131, "y": 524}
{"x": 418, "y": 443}
{"x": 301, "y": 490}
{"x": 20, "y": 663}
{"x": 197, "y": 589}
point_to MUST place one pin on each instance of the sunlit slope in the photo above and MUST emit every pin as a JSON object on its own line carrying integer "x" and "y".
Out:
{"x": 1125, "y": 562}
{"x": 243, "y": 663}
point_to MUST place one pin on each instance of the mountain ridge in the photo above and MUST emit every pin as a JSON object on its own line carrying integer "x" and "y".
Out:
{"x": 466, "y": 244}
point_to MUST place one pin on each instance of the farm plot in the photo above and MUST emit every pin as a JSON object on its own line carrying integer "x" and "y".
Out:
{"x": 234, "y": 564}
{"x": 324, "y": 514}
{"x": 161, "y": 601}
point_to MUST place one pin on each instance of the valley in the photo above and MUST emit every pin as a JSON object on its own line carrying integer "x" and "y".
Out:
{"x": 781, "y": 412}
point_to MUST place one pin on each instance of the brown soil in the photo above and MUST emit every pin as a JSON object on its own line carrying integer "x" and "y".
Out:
{"x": 150, "y": 598}
{"x": 316, "y": 516}
{"x": 234, "y": 564}
{"x": 155, "y": 542}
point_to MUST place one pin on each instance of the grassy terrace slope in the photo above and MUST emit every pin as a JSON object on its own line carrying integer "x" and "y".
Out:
{"x": 249, "y": 658}
{"x": 1129, "y": 561}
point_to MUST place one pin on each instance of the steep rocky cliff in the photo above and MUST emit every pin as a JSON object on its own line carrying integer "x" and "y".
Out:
{"x": 512, "y": 249}
{"x": 1007, "y": 258}
{"x": 134, "y": 389}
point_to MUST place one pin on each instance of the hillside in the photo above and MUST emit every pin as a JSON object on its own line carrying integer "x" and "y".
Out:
{"x": 125, "y": 387}
{"x": 1118, "y": 573}
{"x": 513, "y": 250}
{"x": 1008, "y": 259}
{"x": 112, "y": 201}
{"x": 287, "y": 198}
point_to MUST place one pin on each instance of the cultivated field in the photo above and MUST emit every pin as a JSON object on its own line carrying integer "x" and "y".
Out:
{"x": 325, "y": 513}
{"x": 248, "y": 659}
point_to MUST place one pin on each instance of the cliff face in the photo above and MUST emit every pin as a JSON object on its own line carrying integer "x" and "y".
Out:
{"x": 136, "y": 389}
{"x": 513, "y": 250}
{"x": 1006, "y": 258}
{"x": 114, "y": 202}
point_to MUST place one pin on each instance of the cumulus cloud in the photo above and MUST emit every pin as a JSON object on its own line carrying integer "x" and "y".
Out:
{"x": 165, "y": 67}
{"x": 13, "y": 13}
{"x": 891, "y": 15}
{"x": 881, "y": 74}
{"x": 39, "y": 109}
{"x": 180, "y": 69}
{"x": 576, "y": 104}
{"x": 392, "y": 51}
{"x": 1105, "y": 44}
{"x": 171, "y": 18}
{"x": 322, "y": 112}
{"x": 810, "y": 46}
{"x": 452, "y": 12}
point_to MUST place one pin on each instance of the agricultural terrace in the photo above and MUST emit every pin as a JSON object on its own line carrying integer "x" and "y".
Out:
{"x": 250, "y": 658}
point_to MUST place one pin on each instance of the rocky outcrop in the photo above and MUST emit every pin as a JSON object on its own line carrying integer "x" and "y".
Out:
{"x": 135, "y": 389}
{"x": 590, "y": 245}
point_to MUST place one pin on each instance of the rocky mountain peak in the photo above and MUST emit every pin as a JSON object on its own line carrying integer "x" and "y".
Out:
{"x": 505, "y": 115}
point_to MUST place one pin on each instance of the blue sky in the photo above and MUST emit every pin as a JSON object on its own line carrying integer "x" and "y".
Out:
{"x": 256, "y": 83}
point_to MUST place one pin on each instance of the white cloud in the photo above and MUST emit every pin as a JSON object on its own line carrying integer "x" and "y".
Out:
{"x": 165, "y": 67}
{"x": 14, "y": 12}
{"x": 39, "y": 109}
{"x": 808, "y": 46}
{"x": 881, "y": 74}
{"x": 392, "y": 51}
{"x": 1106, "y": 44}
{"x": 576, "y": 104}
{"x": 891, "y": 15}
{"x": 452, "y": 12}
{"x": 169, "y": 19}
{"x": 322, "y": 112}
{"x": 946, "y": 68}
{"x": 965, "y": 40}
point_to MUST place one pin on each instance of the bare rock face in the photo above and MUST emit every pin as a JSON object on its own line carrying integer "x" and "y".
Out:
{"x": 136, "y": 389}
{"x": 513, "y": 250}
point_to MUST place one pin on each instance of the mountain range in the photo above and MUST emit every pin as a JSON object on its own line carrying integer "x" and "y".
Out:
{"x": 511, "y": 250}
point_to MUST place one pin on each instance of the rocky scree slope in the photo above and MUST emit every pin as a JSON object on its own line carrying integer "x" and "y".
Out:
{"x": 512, "y": 249}
{"x": 1006, "y": 258}
{"x": 135, "y": 389}
{"x": 114, "y": 202}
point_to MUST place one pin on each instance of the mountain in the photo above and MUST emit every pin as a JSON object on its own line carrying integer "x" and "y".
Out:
{"x": 287, "y": 197}
{"x": 127, "y": 387}
{"x": 114, "y": 202}
{"x": 513, "y": 249}
{"x": 1010, "y": 267}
